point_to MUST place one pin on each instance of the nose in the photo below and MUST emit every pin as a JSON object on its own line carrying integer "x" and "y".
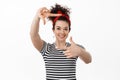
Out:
{"x": 62, "y": 31}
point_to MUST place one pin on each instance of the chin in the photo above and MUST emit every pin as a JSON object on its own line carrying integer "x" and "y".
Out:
{"x": 62, "y": 39}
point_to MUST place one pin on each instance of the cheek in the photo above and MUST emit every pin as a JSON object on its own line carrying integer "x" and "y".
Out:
{"x": 55, "y": 32}
{"x": 67, "y": 32}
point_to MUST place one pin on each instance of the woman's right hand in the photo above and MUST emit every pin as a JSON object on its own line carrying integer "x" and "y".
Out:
{"x": 44, "y": 13}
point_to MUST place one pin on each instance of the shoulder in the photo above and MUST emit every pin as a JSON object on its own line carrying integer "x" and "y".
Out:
{"x": 68, "y": 44}
{"x": 47, "y": 46}
{"x": 80, "y": 46}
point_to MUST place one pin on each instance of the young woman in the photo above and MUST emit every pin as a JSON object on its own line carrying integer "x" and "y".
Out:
{"x": 60, "y": 56}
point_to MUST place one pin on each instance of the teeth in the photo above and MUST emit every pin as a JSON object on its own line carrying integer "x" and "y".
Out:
{"x": 61, "y": 35}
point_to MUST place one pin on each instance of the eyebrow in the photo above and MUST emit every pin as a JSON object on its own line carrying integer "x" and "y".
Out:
{"x": 57, "y": 26}
{"x": 60, "y": 27}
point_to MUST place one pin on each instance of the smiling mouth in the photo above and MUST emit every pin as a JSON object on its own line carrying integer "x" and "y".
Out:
{"x": 62, "y": 36}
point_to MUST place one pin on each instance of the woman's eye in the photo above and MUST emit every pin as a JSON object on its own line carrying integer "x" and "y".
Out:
{"x": 66, "y": 29}
{"x": 58, "y": 28}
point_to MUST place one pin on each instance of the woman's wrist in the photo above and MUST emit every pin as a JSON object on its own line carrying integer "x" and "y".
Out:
{"x": 81, "y": 52}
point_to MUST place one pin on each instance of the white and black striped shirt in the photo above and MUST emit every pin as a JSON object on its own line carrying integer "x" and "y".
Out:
{"x": 58, "y": 67}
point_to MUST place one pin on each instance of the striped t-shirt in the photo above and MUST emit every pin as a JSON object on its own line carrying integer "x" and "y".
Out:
{"x": 58, "y": 66}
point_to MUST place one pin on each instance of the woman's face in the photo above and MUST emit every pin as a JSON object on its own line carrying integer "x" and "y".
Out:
{"x": 61, "y": 30}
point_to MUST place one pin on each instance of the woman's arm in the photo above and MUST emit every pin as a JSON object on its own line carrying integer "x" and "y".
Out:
{"x": 41, "y": 14}
{"x": 77, "y": 51}
{"x": 85, "y": 56}
{"x": 34, "y": 32}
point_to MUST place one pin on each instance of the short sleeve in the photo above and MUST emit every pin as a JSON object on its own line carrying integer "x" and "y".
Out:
{"x": 81, "y": 46}
{"x": 43, "y": 50}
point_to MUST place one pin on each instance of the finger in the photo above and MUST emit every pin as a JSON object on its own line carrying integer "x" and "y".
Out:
{"x": 46, "y": 11}
{"x": 51, "y": 14}
{"x": 67, "y": 51}
{"x": 71, "y": 41}
{"x": 66, "y": 54}
{"x": 68, "y": 48}
{"x": 69, "y": 56}
{"x": 42, "y": 9}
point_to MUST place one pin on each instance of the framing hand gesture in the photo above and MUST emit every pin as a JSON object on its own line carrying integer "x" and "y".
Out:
{"x": 44, "y": 13}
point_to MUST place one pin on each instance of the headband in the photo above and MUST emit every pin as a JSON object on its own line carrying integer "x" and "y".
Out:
{"x": 67, "y": 17}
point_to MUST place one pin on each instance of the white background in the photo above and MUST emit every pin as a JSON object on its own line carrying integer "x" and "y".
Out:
{"x": 95, "y": 25}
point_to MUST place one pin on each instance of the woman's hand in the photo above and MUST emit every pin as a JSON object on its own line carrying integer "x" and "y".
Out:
{"x": 76, "y": 51}
{"x": 73, "y": 51}
{"x": 44, "y": 13}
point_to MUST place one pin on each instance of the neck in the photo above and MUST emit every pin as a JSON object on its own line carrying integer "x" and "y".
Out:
{"x": 60, "y": 45}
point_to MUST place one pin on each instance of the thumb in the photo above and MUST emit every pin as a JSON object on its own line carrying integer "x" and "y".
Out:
{"x": 71, "y": 41}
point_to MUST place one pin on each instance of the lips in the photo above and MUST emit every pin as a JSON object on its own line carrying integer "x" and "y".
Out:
{"x": 61, "y": 36}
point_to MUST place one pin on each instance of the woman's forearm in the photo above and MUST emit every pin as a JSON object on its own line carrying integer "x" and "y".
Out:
{"x": 85, "y": 56}
{"x": 34, "y": 33}
{"x": 35, "y": 26}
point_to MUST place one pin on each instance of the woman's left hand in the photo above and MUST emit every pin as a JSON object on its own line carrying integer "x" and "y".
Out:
{"x": 73, "y": 51}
